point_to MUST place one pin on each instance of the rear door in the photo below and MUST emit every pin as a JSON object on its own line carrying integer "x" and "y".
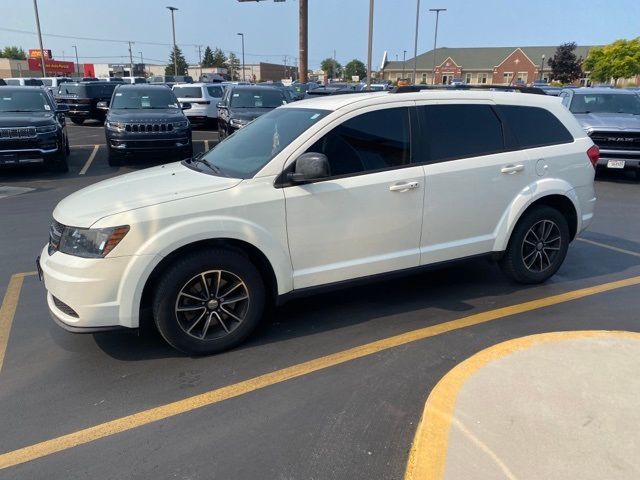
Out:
{"x": 473, "y": 172}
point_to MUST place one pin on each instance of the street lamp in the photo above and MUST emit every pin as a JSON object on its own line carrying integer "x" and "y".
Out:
{"x": 542, "y": 67}
{"x": 175, "y": 49}
{"x": 370, "y": 44}
{"x": 77, "y": 63}
{"x": 242, "y": 35}
{"x": 415, "y": 46}
{"x": 35, "y": 7}
{"x": 435, "y": 40}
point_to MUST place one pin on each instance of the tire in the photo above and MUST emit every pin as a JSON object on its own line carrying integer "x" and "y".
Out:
{"x": 67, "y": 148}
{"x": 532, "y": 261}
{"x": 637, "y": 174}
{"x": 204, "y": 327}
{"x": 58, "y": 163}
{"x": 77, "y": 121}
{"x": 115, "y": 159}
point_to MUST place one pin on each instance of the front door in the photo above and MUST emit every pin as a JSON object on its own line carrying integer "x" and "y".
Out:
{"x": 365, "y": 218}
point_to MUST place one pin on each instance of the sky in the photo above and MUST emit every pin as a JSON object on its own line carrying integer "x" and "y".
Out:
{"x": 271, "y": 28}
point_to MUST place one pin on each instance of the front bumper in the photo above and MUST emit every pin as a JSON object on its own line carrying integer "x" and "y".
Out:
{"x": 148, "y": 143}
{"x": 32, "y": 150}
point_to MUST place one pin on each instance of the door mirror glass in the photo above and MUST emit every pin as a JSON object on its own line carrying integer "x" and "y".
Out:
{"x": 220, "y": 105}
{"x": 185, "y": 105}
{"x": 310, "y": 166}
{"x": 103, "y": 105}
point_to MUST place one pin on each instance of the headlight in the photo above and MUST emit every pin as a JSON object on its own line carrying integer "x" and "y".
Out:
{"x": 115, "y": 126}
{"x": 46, "y": 129}
{"x": 238, "y": 122}
{"x": 181, "y": 124}
{"x": 91, "y": 242}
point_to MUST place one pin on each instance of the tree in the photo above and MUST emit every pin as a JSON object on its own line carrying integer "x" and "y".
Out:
{"x": 13, "y": 52}
{"x": 565, "y": 66}
{"x": 331, "y": 68}
{"x": 234, "y": 66}
{"x": 181, "y": 63}
{"x": 207, "y": 59}
{"x": 219, "y": 58}
{"x": 620, "y": 59}
{"x": 355, "y": 67}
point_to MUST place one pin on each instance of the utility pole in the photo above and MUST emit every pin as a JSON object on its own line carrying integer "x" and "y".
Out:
{"x": 335, "y": 66}
{"x": 242, "y": 35}
{"x": 415, "y": 46}
{"x": 175, "y": 48}
{"x": 435, "y": 41}
{"x": 369, "y": 73}
{"x": 285, "y": 66}
{"x": 304, "y": 40}
{"x": 35, "y": 7}
{"x": 142, "y": 63}
{"x": 404, "y": 61}
{"x": 130, "y": 60}
{"x": 77, "y": 62}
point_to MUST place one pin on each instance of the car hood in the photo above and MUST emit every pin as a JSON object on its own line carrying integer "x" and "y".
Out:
{"x": 614, "y": 121}
{"x": 26, "y": 119}
{"x": 146, "y": 115}
{"x": 248, "y": 113}
{"x": 152, "y": 186}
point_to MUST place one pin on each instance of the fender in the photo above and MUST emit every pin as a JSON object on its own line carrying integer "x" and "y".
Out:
{"x": 167, "y": 240}
{"x": 532, "y": 193}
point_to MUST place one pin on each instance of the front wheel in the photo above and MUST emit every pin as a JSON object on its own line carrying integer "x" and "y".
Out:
{"x": 537, "y": 247}
{"x": 209, "y": 301}
{"x": 114, "y": 158}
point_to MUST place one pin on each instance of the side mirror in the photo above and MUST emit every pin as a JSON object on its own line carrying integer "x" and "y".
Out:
{"x": 62, "y": 108}
{"x": 220, "y": 105}
{"x": 185, "y": 105}
{"x": 102, "y": 105}
{"x": 310, "y": 166}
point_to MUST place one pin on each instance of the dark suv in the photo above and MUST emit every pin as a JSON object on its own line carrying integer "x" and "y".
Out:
{"x": 82, "y": 99}
{"x": 146, "y": 118}
{"x": 32, "y": 129}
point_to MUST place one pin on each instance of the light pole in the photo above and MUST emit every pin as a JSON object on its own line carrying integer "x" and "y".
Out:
{"x": 404, "y": 61}
{"x": 35, "y": 7}
{"x": 435, "y": 41}
{"x": 369, "y": 53}
{"x": 542, "y": 67}
{"x": 77, "y": 62}
{"x": 175, "y": 48}
{"x": 415, "y": 46}
{"x": 242, "y": 35}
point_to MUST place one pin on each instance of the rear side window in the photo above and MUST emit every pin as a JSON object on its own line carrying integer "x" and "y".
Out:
{"x": 533, "y": 126}
{"x": 13, "y": 82}
{"x": 188, "y": 92}
{"x": 215, "y": 91}
{"x": 369, "y": 142}
{"x": 460, "y": 131}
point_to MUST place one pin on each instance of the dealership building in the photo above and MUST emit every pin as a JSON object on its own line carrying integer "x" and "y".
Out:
{"x": 482, "y": 65}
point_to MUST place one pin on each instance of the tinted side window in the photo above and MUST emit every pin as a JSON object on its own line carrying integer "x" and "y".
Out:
{"x": 461, "y": 131}
{"x": 534, "y": 127}
{"x": 371, "y": 141}
{"x": 13, "y": 82}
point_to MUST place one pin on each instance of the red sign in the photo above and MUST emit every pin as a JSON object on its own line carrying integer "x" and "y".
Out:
{"x": 52, "y": 66}
{"x": 36, "y": 53}
{"x": 89, "y": 70}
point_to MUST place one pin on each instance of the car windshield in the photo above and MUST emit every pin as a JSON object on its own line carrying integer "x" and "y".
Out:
{"x": 605, "y": 103}
{"x": 87, "y": 90}
{"x": 249, "y": 149}
{"x": 24, "y": 101}
{"x": 254, "y": 98}
{"x": 139, "y": 98}
{"x": 188, "y": 92}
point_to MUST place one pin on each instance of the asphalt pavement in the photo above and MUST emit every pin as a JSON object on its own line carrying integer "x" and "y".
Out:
{"x": 331, "y": 387}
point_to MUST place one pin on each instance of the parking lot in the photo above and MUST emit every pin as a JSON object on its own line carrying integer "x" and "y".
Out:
{"x": 332, "y": 386}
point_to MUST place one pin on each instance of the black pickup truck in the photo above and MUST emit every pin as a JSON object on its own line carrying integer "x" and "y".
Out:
{"x": 82, "y": 99}
{"x": 32, "y": 128}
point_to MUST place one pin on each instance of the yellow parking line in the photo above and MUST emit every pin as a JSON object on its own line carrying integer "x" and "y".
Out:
{"x": 428, "y": 454}
{"x": 89, "y": 160}
{"x": 162, "y": 412}
{"x": 609, "y": 247}
{"x": 8, "y": 310}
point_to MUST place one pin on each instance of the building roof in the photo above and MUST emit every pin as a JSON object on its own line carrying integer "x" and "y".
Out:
{"x": 479, "y": 58}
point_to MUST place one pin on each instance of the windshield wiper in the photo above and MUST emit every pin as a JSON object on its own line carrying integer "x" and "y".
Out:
{"x": 215, "y": 169}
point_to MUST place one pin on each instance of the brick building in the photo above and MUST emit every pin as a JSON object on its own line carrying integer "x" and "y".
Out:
{"x": 491, "y": 65}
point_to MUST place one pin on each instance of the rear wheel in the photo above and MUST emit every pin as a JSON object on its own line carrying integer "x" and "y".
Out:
{"x": 209, "y": 301}
{"x": 77, "y": 121}
{"x": 537, "y": 247}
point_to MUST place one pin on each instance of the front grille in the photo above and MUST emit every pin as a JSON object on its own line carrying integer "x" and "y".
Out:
{"x": 64, "y": 308}
{"x": 148, "y": 127}
{"x": 617, "y": 140}
{"x": 55, "y": 234}
{"x": 17, "y": 133}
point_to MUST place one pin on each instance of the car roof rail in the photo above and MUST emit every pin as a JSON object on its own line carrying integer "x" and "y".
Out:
{"x": 504, "y": 88}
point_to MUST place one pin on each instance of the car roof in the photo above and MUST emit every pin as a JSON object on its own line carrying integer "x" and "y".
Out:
{"x": 353, "y": 100}
{"x": 587, "y": 90}
{"x": 140, "y": 86}
{"x": 39, "y": 88}
{"x": 194, "y": 84}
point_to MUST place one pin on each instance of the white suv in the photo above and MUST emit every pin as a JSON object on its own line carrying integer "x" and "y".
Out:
{"x": 321, "y": 192}
{"x": 204, "y": 99}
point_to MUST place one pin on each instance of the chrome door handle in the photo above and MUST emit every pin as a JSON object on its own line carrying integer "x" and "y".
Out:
{"x": 404, "y": 187}
{"x": 511, "y": 169}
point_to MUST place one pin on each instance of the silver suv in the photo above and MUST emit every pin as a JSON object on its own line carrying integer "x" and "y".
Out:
{"x": 612, "y": 119}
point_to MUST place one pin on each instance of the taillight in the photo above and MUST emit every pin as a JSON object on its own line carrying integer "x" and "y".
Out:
{"x": 594, "y": 155}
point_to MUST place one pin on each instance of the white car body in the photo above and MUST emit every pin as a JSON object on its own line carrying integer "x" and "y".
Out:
{"x": 318, "y": 233}
{"x": 203, "y": 97}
